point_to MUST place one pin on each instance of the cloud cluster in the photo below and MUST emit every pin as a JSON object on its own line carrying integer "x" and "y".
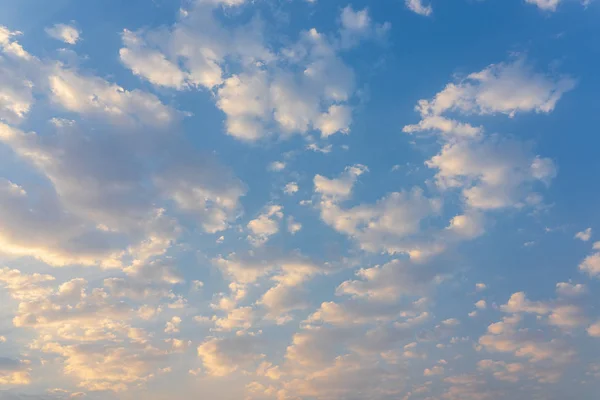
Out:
{"x": 299, "y": 88}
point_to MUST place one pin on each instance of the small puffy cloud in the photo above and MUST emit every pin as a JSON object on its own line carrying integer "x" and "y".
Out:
{"x": 223, "y": 356}
{"x": 518, "y": 303}
{"x": 277, "y": 166}
{"x": 357, "y": 25}
{"x": 567, "y": 316}
{"x": 293, "y": 225}
{"x": 481, "y": 305}
{"x": 502, "y": 371}
{"x": 290, "y": 188}
{"x": 172, "y": 326}
{"x": 505, "y": 337}
{"x": 505, "y": 88}
{"x": 339, "y": 188}
{"x": 18, "y": 75}
{"x": 584, "y": 235}
{"x": 547, "y": 5}
{"x": 419, "y": 7}
{"x": 149, "y": 63}
{"x": 570, "y": 290}
{"x": 447, "y": 127}
{"x": 94, "y": 96}
{"x": 435, "y": 370}
{"x": 594, "y": 330}
{"x": 65, "y": 33}
{"x": 389, "y": 281}
{"x": 451, "y": 322}
{"x": 355, "y": 20}
{"x": 480, "y": 287}
{"x": 591, "y": 264}
{"x": 335, "y": 119}
{"x": 265, "y": 225}
{"x": 242, "y": 318}
{"x": 467, "y": 225}
{"x": 288, "y": 293}
{"x": 492, "y": 173}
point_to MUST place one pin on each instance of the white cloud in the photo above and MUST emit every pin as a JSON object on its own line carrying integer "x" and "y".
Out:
{"x": 336, "y": 119}
{"x": 389, "y": 282}
{"x": 505, "y": 336}
{"x": 506, "y": 88}
{"x": 150, "y": 64}
{"x": 288, "y": 294}
{"x": 293, "y": 225}
{"x": 508, "y": 372}
{"x": 65, "y": 33}
{"x": 277, "y": 166}
{"x": 290, "y": 188}
{"x": 17, "y": 68}
{"x": 467, "y": 225}
{"x": 339, "y": 188}
{"x": 94, "y": 96}
{"x": 549, "y": 5}
{"x": 518, "y": 303}
{"x": 242, "y": 318}
{"x": 570, "y": 290}
{"x": 591, "y": 264}
{"x": 265, "y": 225}
{"x": 172, "y": 326}
{"x": 293, "y": 90}
{"x": 359, "y": 21}
{"x": 223, "y": 356}
{"x": 97, "y": 212}
{"x": 358, "y": 25}
{"x": 480, "y": 287}
{"x": 481, "y": 305}
{"x": 418, "y": 7}
{"x": 584, "y": 235}
{"x": 567, "y": 316}
{"x": 493, "y": 173}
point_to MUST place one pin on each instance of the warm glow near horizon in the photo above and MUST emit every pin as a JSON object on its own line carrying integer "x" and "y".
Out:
{"x": 299, "y": 199}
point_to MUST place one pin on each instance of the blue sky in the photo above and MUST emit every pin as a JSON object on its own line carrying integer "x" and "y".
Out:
{"x": 299, "y": 200}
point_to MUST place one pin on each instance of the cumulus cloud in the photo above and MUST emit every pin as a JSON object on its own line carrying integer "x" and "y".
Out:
{"x": 95, "y": 211}
{"x": 86, "y": 327}
{"x": 591, "y": 264}
{"x": 594, "y": 330}
{"x": 65, "y": 33}
{"x": 492, "y": 173}
{"x": 505, "y": 88}
{"x": 548, "y": 5}
{"x": 16, "y": 78}
{"x": 265, "y": 225}
{"x": 570, "y": 289}
{"x": 584, "y": 235}
{"x": 339, "y": 188}
{"x": 419, "y": 7}
{"x": 387, "y": 225}
{"x": 293, "y": 225}
{"x": 296, "y": 89}
{"x": 389, "y": 281}
{"x": 290, "y": 188}
{"x": 223, "y": 356}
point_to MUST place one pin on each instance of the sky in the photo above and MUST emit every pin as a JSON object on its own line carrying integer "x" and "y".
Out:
{"x": 299, "y": 199}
